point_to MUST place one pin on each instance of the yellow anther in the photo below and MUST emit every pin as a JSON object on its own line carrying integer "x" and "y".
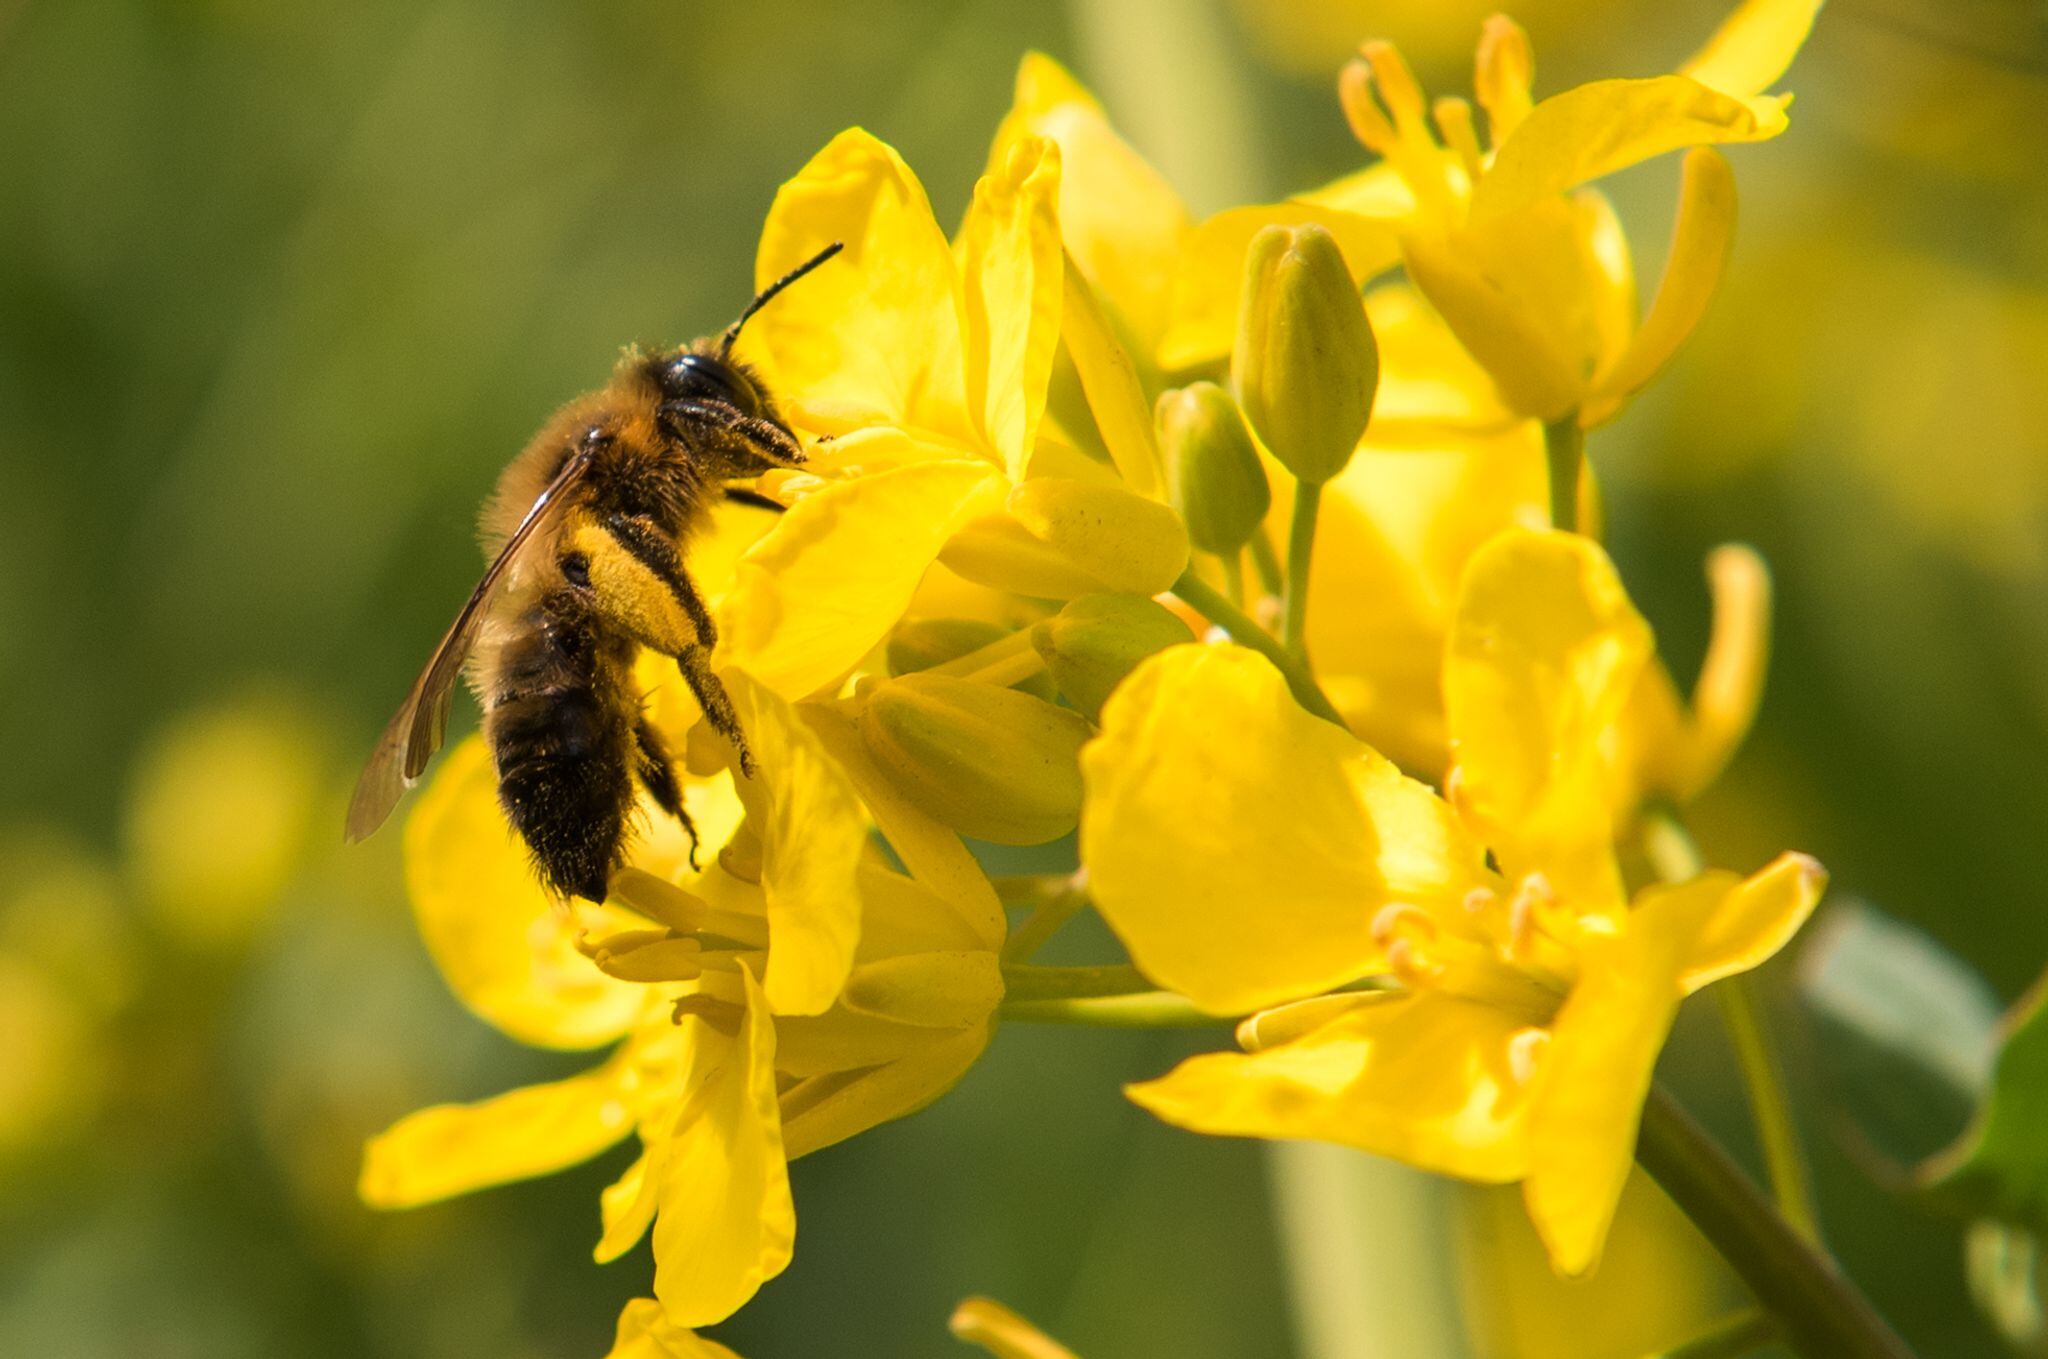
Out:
{"x": 1525, "y": 1053}
{"x": 722, "y": 1015}
{"x": 1505, "y": 70}
{"x": 1401, "y": 92}
{"x": 1480, "y": 900}
{"x": 1454, "y": 123}
{"x": 1362, "y": 109}
{"x": 1402, "y": 921}
{"x": 1411, "y": 966}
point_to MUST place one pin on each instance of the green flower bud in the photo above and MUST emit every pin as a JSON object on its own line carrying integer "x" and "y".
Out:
{"x": 1306, "y": 365}
{"x": 1095, "y": 641}
{"x": 991, "y": 763}
{"x": 1219, "y": 485}
{"x": 926, "y": 642}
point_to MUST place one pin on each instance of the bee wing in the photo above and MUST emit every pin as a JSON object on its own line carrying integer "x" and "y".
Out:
{"x": 417, "y": 728}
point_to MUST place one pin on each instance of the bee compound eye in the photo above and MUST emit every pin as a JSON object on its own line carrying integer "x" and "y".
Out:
{"x": 701, "y": 377}
{"x": 576, "y": 569}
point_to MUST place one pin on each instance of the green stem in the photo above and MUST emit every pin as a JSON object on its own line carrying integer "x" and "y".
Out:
{"x": 1205, "y": 600}
{"x": 1233, "y": 577}
{"x": 1301, "y": 542}
{"x": 1729, "y": 1339}
{"x": 1820, "y": 1313}
{"x": 1784, "y": 1163}
{"x": 1266, "y": 561}
{"x": 1134, "y": 1010}
{"x": 1005, "y": 648}
{"x": 1046, "y": 919}
{"x": 1564, "y": 445}
{"x": 1026, "y": 981}
{"x": 1672, "y": 853}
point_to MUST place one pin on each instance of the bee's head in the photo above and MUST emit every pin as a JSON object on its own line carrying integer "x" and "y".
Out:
{"x": 691, "y": 377}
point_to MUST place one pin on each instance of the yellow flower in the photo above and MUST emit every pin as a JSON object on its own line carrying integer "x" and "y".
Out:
{"x": 1531, "y": 271}
{"x": 927, "y": 365}
{"x": 1518, "y": 1010}
{"x": 722, "y": 1085}
{"x": 645, "y": 1332}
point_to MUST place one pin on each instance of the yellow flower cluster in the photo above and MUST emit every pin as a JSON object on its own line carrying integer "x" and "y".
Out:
{"x": 1364, "y": 795}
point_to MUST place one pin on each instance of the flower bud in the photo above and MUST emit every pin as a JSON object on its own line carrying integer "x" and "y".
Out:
{"x": 923, "y": 643}
{"x": 1095, "y": 641}
{"x": 1056, "y": 538}
{"x": 991, "y": 763}
{"x": 1306, "y": 365}
{"x": 1219, "y": 485}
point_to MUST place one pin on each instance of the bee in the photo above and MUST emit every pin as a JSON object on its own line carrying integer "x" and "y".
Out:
{"x": 587, "y": 534}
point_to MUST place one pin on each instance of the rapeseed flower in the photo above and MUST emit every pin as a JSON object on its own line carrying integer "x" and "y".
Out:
{"x": 1518, "y": 995}
{"x": 1530, "y": 270}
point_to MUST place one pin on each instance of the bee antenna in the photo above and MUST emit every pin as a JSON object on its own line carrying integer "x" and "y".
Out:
{"x": 768, "y": 293}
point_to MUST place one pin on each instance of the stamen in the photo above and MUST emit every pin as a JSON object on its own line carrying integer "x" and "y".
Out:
{"x": 741, "y": 856}
{"x": 1411, "y": 966}
{"x": 664, "y": 960}
{"x": 1503, "y": 74}
{"x": 1454, "y": 121}
{"x": 1480, "y": 900}
{"x": 722, "y": 1015}
{"x": 1525, "y": 1053}
{"x": 1362, "y": 110}
{"x": 1401, "y": 91}
{"x": 659, "y": 900}
{"x": 1402, "y": 920}
{"x": 1533, "y": 895}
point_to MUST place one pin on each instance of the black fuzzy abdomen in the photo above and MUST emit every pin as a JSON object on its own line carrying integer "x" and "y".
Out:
{"x": 560, "y": 727}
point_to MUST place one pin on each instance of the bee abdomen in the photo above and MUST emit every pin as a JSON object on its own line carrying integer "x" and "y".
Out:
{"x": 560, "y": 727}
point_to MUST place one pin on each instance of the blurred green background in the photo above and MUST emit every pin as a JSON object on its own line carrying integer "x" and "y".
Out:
{"x": 283, "y": 286}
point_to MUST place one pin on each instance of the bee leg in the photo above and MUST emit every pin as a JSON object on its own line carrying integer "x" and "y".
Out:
{"x": 658, "y": 776}
{"x": 757, "y": 440}
{"x": 740, "y": 495}
{"x": 657, "y": 552}
{"x": 695, "y": 664}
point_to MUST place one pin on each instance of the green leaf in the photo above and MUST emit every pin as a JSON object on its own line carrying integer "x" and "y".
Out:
{"x": 1907, "y": 1031}
{"x": 1999, "y": 1168}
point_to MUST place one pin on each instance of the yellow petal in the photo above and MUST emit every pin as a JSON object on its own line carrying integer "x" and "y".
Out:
{"x": 1700, "y": 243}
{"x": 534, "y": 1130}
{"x": 1755, "y": 919}
{"x": 1519, "y": 343}
{"x": 934, "y": 854}
{"x": 1608, "y": 125}
{"x": 1425, "y": 1079}
{"x": 645, "y": 1332}
{"x": 1595, "y": 1071}
{"x": 726, "y": 1223}
{"x": 627, "y": 1206}
{"x": 1109, "y": 380}
{"x": 1004, "y": 1334}
{"x": 1121, "y": 221}
{"x": 837, "y": 570}
{"x": 873, "y": 337}
{"x": 1011, "y": 264}
{"x": 1754, "y": 46}
{"x": 1731, "y": 681}
{"x": 829, "y": 1109}
{"x": 1223, "y": 891}
{"x": 1060, "y": 539}
{"x": 1543, "y": 655}
{"x": 503, "y": 947}
{"x": 813, "y": 834}
{"x": 1377, "y": 191}
{"x": 1210, "y": 277}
